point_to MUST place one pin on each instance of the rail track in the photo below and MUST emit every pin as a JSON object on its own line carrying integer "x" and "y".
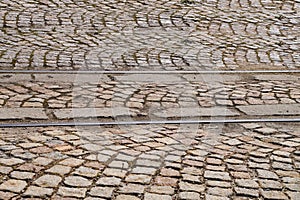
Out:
{"x": 125, "y": 123}
{"x": 241, "y": 119}
{"x": 147, "y": 72}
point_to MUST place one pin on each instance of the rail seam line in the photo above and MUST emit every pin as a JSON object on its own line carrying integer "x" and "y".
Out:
{"x": 226, "y": 121}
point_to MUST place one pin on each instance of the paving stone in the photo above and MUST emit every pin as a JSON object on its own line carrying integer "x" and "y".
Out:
{"x": 184, "y": 186}
{"x": 234, "y": 161}
{"x": 246, "y": 192}
{"x": 233, "y": 142}
{"x": 102, "y": 192}
{"x": 119, "y": 164}
{"x": 198, "y": 152}
{"x": 166, "y": 140}
{"x": 148, "y": 163}
{"x": 5, "y": 170}
{"x": 165, "y": 181}
{"x": 191, "y": 178}
{"x": 132, "y": 189}
{"x": 266, "y": 130}
{"x": 267, "y": 174}
{"x": 192, "y": 112}
{"x": 41, "y": 150}
{"x": 59, "y": 169}
{"x": 86, "y": 172}
{"x": 103, "y": 158}
{"x": 212, "y": 197}
{"x": 13, "y": 185}
{"x": 125, "y": 157}
{"x": 279, "y": 109}
{"x": 240, "y": 175}
{"x": 34, "y": 191}
{"x": 248, "y": 183}
{"x": 273, "y": 195}
{"x": 189, "y": 195}
{"x": 270, "y": 184}
{"x": 6, "y": 195}
{"x": 115, "y": 172}
{"x": 138, "y": 178}
{"x": 22, "y": 175}
{"x": 29, "y": 145}
{"x": 224, "y": 176}
{"x": 292, "y": 179}
{"x": 290, "y": 143}
{"x": 162, "y": 190}
{"x": 193, "y": 171}
{"x": 11, "y": 161}
{"x": 71, "y": 162}
{"x": 91, "y": 112}
{"x": 22, "y": 113}
{"x": 48, "y": 181}
{"x": 222, "y": 184}
{"x": 255, "y": 165}
{"x": 218, "y": 191}
{"x": 294, "y": 195}
{"x": 169, "y": 172}
{"x": 282, "y": 166}
{"x": 93, "y": 198}
{"x": 150, "y": 196}
{"x": 293, "y": 187}
{"x": 30, "y": 167}
{"x": 144, "y": 170}
{"x": 126, "y": 197}
{"x": 77, "y": 181}
{"x": 109, "y": 181}
{"x": 72, "y": 192}
{"x": 42, "y": 161}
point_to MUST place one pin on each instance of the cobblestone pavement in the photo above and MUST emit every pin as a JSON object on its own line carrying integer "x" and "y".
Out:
{"x": 144, "y": 95}
{"x": 150, "y": 162}
{"x": 156, "y": 34}
{"x": 165, "y": 162}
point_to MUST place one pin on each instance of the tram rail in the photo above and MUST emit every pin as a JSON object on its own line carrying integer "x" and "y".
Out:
{"x": 146, "y": 72}
{"x": 124, "y": 123}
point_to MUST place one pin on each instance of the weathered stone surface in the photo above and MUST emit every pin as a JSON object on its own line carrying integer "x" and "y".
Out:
{"x": 224, "y": 176}
{"x": 132, "y": 189}
{"x": 280, "y": 109}
{"x": 22, "y": 175}
{"x": 11, "y": 161}
{"x": 274, "y": 195}
{"x": 13, "y": 185}
{"x": 127, "y": 197}
{"x": 162, "y": 190}
{"x": 149, "y": 196}
{"x": 59, "y": 169}
{"x": 72, "y": 192}
{"x": 189, "y": 195}
{"x": 158, "y": 78}
{"x": 138, "y": 178}
{"x": 77, "y": 181}
{"x": 102, "y": 192}
{"x": 91, "y": 112}
{"x": 48, "y": 181}
{"x": 195, "y": 112}
{"x": 38, "y": 191}
{"x": 22, "y": 113}
{"x": 109, "y": 181}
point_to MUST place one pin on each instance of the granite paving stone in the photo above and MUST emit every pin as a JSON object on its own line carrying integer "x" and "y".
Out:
{"x": 149, "y": 60}
{"x": 248, "y": 161}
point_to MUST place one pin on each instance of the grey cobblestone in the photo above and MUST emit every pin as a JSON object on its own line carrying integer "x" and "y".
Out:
{"x": 219, "y": 176}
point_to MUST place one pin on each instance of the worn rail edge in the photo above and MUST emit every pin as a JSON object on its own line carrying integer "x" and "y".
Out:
{"x": 144, "y": 72}
{"x": 121, "y": 123}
